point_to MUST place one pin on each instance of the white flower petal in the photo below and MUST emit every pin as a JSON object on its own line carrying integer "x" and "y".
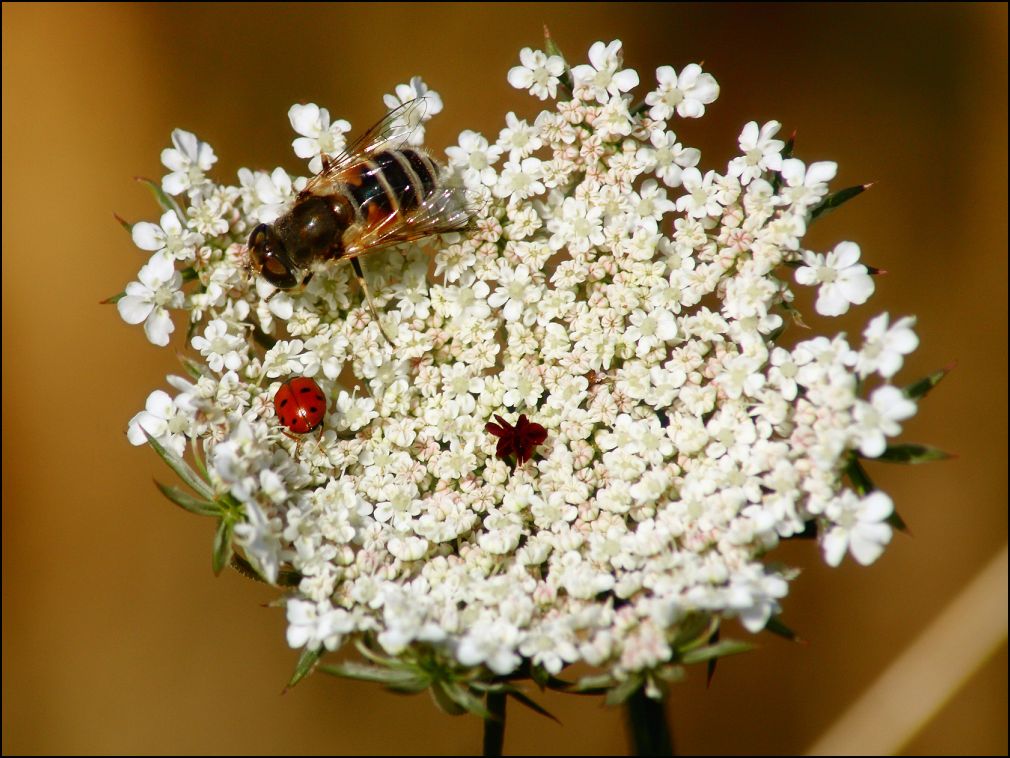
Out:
{"x": 158, "y": 327}
{"x": 867, "y": 542}
{"x": 821, "y": 172}
{"x": 834, "y": 544}
{"x": 159, "y": 404}
{"x": 148, "y": 236}
{"x": 134, "y": 309}
{"x": 174, "y": 184}
{"x": 305, "y": 120}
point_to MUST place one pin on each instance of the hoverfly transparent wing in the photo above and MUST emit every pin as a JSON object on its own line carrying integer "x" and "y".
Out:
{"x": 442, "y": 211}
{"x": 391, "y": 132}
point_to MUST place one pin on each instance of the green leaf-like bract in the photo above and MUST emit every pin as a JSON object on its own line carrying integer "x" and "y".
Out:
{"x": 443, "y": 701}
{"x": 187, "y": 502}
{"x": 787, "y": 152}
{"x": 398, "y": 679}
{"x": 775, "y": 626}
{"x": 464, "y": 697}
{"x": 624, "y": 690}
{"x": 161, "y": 198}
{"x": 306, "y": 662}
{"x": 921, "y": 388}
{"x": 222, "y": 545}
{"x": 534, "y": 706}
{"x": 837, "y": 199}
{"x": 551, "y": 48}
{"x": 912, "y": 453}
{"x": 181, "y": 468}
{"x": 693, "y": 631}
{"x": 716, "y": 650}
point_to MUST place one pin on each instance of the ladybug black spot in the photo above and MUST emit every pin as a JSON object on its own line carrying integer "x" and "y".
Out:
{"x": 305, "y": 389}
{"x": 284, "y": 402}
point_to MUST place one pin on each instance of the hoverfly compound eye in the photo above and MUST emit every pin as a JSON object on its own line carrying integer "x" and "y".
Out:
{"x": 270, "y": 259}
{"x": 274, "y": 268}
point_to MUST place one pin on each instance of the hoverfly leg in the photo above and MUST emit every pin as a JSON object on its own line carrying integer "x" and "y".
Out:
{"x": 360, "y": 275}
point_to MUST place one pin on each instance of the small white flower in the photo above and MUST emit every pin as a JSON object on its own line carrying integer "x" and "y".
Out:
{"x": 577, "y": 227}
{"x": 806, "y": 185}
{"x": 702, "y": 198}
{"x": 409, "y": 548}
{"x": 650, "y": 329}
{"x": 841, "y": 279}
{"x": 475, "y": 158}
{"x": 551, "y": 645}
{"x": 537, "y": 73}
{"x": 355, "y": 412}
{"x": 188, "y": 159}
{"x": 687, "y": 94}
{"x": 604, "y": 78}
{"x": 161, "y": 419}
{"x": 884, "y": 347}
{"x": 149, "y": 299}
{"x": 313, "y": 625}
{"x": 319, "y": 136}
{"x": 783, "y": 372}
{"x": 221, "y": 349}
{"x": 260, "y": 539}
{"x": 761, "y": 153}
{"x": 519, "y": 138}
{"x": 170, "y": 237}
{"x": 520, "y": 180}
{"x": 490, "y": 643}
{"x": 283, "y": 358}
{"x": 667, "y": 157}
{"x": 274, "y": 191}
{"x": 858, "y": 526}
{"x": 416, "y": 89}
{"x": 516, "y": 289}
{"x": 879, "y": 419}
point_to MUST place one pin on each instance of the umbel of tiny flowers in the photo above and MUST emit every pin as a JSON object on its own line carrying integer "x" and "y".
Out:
{"x": 588, "y": 429}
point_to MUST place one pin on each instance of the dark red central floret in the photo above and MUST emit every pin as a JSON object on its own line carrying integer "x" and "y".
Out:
{"x": 521, "y": 439}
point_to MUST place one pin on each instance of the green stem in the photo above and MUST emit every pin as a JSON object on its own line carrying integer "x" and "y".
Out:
{"x": 494, "y": 727}
{"x": 650, "y": 734}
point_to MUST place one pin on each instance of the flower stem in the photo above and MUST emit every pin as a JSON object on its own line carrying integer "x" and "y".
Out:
{"x": 494, "y": 727}
{"x": 650, "y": 734}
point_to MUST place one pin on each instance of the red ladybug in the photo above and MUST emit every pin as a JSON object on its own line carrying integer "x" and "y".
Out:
{"x": 300, "y": 405}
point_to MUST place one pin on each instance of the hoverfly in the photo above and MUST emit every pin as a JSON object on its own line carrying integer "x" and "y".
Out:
{"x": 378, "y": 192}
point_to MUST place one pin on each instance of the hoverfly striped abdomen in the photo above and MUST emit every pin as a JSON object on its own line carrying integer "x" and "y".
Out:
{"x": 393, "y": 181}
{"x": 424, "y": 169}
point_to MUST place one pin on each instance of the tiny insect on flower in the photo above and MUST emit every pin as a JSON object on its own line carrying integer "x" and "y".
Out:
{"x": 300, "y": 405}
{"x": 521, "y": 439}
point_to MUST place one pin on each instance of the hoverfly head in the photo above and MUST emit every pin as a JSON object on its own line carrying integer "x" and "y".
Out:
{"x": 268, "y": 257}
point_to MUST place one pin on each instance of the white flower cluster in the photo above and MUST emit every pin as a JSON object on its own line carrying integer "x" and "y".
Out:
{"x": 628, "y": 302}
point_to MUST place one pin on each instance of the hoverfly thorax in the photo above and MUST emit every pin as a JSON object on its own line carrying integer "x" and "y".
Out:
{"x": 311, "y": 230}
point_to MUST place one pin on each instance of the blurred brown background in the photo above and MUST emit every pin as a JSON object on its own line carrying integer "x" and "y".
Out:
{"x": 116, "y": 636}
